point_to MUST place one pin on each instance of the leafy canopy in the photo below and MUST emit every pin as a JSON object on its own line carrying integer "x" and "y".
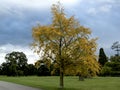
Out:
{"x": 64, "y": 39}
{"x": 66, "y": 43}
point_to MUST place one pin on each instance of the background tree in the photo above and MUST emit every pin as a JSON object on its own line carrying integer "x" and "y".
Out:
{"x": 5, "y": 68}
{"x": 85, "y": 65}
{"x": 102, "y": 57}
{"x": 62, "y": 41}
{"x": 115, "y": 58}
{"x": 15, "y": 63}
{"x": 43, "y": 70}
{"x": 116, "y": 47}
{"x": 31, "y": 70}
{"x": 18, "y": 58}
{"x": 45, "y": 61}
{"x": 43, "y": 67}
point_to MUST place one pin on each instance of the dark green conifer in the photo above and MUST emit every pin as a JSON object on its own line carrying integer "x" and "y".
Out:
{"x": 102, "y": 57}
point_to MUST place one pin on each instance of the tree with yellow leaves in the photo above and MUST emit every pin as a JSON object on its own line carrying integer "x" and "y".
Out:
{"x": 85, "y": 63}
{"x": 65, "y": 42}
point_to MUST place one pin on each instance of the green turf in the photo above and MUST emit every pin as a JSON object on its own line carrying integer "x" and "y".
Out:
{"x": 71, "y": 83}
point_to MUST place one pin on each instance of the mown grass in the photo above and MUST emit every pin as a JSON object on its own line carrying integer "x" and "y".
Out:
{"x": 71, "y": 82}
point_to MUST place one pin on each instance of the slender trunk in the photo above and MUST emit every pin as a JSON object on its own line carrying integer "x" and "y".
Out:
{"x": 61, "y": 65}
{"x": 81, "y": 78}
{"x": 61, "y": 79}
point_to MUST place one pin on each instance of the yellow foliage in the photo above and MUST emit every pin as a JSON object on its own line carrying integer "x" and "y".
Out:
{"x": 67, "y": 43}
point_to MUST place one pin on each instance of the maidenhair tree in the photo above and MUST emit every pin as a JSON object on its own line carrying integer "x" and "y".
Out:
{"x": 66, "y": 42}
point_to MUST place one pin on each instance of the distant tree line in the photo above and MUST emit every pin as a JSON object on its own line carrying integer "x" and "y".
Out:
{"x": 16, "y": 65}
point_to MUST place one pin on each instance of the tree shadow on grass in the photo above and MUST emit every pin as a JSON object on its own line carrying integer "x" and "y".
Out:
{"x": 56, "y": 88}
{"x": 66, "y": 89}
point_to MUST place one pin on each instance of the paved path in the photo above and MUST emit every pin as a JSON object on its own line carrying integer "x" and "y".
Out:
{"x": 12, "y": 86}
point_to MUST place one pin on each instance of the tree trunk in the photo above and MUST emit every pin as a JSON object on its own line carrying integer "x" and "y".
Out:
{"x": 61, "y": 65}
{"x": 61, "y": 80}
{"x": 81, "y": 78}
{"x": 62, "y": 74}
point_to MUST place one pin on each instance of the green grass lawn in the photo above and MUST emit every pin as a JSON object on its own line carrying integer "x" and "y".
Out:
{"x": 71, "y": 82}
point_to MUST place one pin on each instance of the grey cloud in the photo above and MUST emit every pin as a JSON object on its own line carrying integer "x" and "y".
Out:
{"x": 104, "y": 24}
{"x": 16, "y": 28}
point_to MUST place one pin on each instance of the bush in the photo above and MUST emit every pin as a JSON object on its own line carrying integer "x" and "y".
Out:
{"x": 20, "y": 73}
{"x": 106, "y": 71}
{"x": 43, "y": 71}
{"x": 111, "y": 69}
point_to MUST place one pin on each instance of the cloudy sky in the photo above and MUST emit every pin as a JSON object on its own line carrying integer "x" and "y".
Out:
{"x": 17, "y": 17}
